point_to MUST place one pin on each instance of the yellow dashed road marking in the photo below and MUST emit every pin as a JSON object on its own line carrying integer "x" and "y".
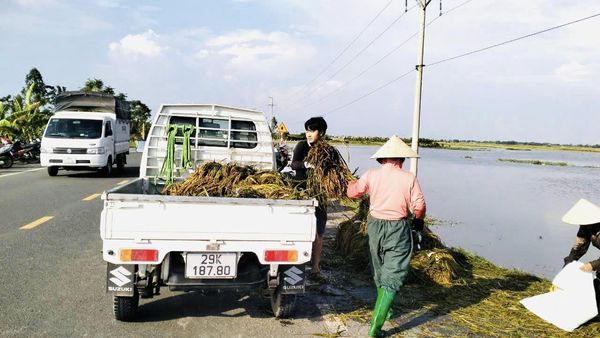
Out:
{"x": 91, "y": 197}
{"x": 122, "y": 182}
{"x": 36, "y": 223}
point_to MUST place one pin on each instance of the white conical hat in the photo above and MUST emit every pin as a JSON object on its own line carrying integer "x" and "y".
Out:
{"x": 395, "y": 148}
{"x": 582, "y": 213}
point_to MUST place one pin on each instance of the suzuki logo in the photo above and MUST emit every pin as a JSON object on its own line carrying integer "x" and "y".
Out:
{"x": 120, "y": 276}
{"x": 293, "y": 275}
{"x": 68, "y": 151}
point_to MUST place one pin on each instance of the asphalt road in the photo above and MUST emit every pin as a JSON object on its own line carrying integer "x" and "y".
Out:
{"x": 53, "y": 276}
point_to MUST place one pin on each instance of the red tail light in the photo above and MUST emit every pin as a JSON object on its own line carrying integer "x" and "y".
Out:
{"x": 281, "y": 255}
{"x": 138, "y": 255}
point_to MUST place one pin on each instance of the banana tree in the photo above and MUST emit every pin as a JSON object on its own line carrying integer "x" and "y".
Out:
{"x": 25, "y": 119}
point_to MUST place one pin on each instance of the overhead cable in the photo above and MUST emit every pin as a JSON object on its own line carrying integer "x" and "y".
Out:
{"x": 382, "y": 58}
{"x": 512, "y": 40}
{"x": 349, "y": 45}
{"x": 359, "y": 53}
{"x": 370, "y": 93}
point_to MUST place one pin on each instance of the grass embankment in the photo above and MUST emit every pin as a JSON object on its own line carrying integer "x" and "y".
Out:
{"x": 481, "y": 299}
{"x": 469, "y": 146}
{"x": 534, "y": 162}
{"x": 516, "y": 147}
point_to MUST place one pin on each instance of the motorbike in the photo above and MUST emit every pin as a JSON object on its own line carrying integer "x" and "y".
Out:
{"x": 282, "y": 156}
{"x": 29, "y": 153}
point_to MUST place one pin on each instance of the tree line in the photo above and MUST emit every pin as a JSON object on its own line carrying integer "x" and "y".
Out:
{"x": 24, "y": 115}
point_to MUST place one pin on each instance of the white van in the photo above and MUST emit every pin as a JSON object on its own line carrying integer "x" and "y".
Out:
{"x": 87, "y": 131}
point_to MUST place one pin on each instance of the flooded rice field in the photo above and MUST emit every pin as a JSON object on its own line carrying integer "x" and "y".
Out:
{"x": 506, "y": 212}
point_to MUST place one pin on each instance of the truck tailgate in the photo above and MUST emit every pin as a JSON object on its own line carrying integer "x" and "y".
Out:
{"x": 140, "y": 216}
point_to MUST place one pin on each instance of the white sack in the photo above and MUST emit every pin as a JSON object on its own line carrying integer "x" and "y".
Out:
{"x": 572, "y": 304}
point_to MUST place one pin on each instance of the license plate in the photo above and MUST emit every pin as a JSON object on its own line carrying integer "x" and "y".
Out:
{"x": 211, "y": 265}
{"x": 69, "y": 161}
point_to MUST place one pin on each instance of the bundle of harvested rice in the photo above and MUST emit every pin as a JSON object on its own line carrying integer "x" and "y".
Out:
{"x": 232, "y": 180}
{"x": 351, "y": 237}
{"x": 330, "y": 174}
{"x": 438, "y": 265}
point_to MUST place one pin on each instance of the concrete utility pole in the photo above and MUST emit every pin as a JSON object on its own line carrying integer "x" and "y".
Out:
{"x": 419, "y": 88}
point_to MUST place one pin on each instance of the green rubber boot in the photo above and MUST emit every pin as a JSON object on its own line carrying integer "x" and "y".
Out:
{"x": 379, "y": 293}
{"x": 380, "y": 313}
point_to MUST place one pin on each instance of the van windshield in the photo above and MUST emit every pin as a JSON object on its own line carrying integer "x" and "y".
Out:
{"x": 74, "y": 128}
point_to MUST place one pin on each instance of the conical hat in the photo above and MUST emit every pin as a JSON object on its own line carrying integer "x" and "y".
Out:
{"x": 582, "y": 213}
{"x": 395, "y": 148}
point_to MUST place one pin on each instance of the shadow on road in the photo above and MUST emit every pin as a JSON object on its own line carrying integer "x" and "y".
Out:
{"x": 128, "y": 172}
{"x": 221, "y": 304}
{"x": 197, "y": 304}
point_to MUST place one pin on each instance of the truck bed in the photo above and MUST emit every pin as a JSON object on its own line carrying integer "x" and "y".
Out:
{"x": 137, "y": 211}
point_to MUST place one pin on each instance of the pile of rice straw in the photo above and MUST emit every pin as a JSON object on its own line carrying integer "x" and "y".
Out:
{"x": 328, "y": 179}
{"x": 231, "y": 180}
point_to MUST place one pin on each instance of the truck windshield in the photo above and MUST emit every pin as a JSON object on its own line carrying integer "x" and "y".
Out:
{"x": 74, "y": 128}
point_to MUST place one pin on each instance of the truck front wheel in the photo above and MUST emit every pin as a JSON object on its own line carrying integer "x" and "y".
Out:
{"x": 107, "y": 170}
{"x": 125, "y": 308}
{"x": 283, "y": 305}
{"x": 52, "y": 171}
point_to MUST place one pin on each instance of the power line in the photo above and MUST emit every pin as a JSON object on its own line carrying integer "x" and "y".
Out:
{"x": 360, "y": 52}
{"x": 362, "y": 73}
{"x": 349, "y": 45}
{"x": 453, "y": 9}
{"x": 370, "y": 93}
{"x": 463, "y": 55}
{"x": 382, "y": 58}
{"x": 513, "y": 40}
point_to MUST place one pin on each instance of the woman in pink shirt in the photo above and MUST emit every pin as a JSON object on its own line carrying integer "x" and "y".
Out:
{"x": 395, "y": 198}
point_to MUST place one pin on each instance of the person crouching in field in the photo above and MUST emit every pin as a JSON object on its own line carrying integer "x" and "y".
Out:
{"x": 394, "y": 194}
{"x": 587, "y": 215}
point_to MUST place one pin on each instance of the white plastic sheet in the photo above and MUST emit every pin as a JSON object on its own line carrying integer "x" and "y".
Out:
{"x": 572, "y": 304}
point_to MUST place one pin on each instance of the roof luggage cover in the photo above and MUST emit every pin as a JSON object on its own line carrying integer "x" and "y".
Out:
{"x": 100, "y": 102}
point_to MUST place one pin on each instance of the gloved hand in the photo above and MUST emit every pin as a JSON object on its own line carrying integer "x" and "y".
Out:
{"x": 417, "y": 224}
{"x": 308, "y": 165}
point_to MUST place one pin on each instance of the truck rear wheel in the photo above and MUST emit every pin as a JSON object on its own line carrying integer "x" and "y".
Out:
{"x": 121, "y": 162}
{"x": 52, "y": 171}
{"x": 283, "y": 305}
{"x": 125, "y": 308}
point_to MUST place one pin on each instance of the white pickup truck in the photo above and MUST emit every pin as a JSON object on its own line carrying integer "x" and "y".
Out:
{"x": 197, "y": 243}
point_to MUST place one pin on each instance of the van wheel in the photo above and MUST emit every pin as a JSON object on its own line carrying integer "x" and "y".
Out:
{"x": 125, "y": 308}
{"x": 283, "y": 305}
{"x": 107, "y": 170}
{"x": 52, "y": 171}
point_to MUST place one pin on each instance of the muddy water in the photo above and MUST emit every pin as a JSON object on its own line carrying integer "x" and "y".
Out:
{"x": 507, "y": 212}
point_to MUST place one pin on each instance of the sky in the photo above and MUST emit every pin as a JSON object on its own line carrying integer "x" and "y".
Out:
{"x": 299, "y": 52}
